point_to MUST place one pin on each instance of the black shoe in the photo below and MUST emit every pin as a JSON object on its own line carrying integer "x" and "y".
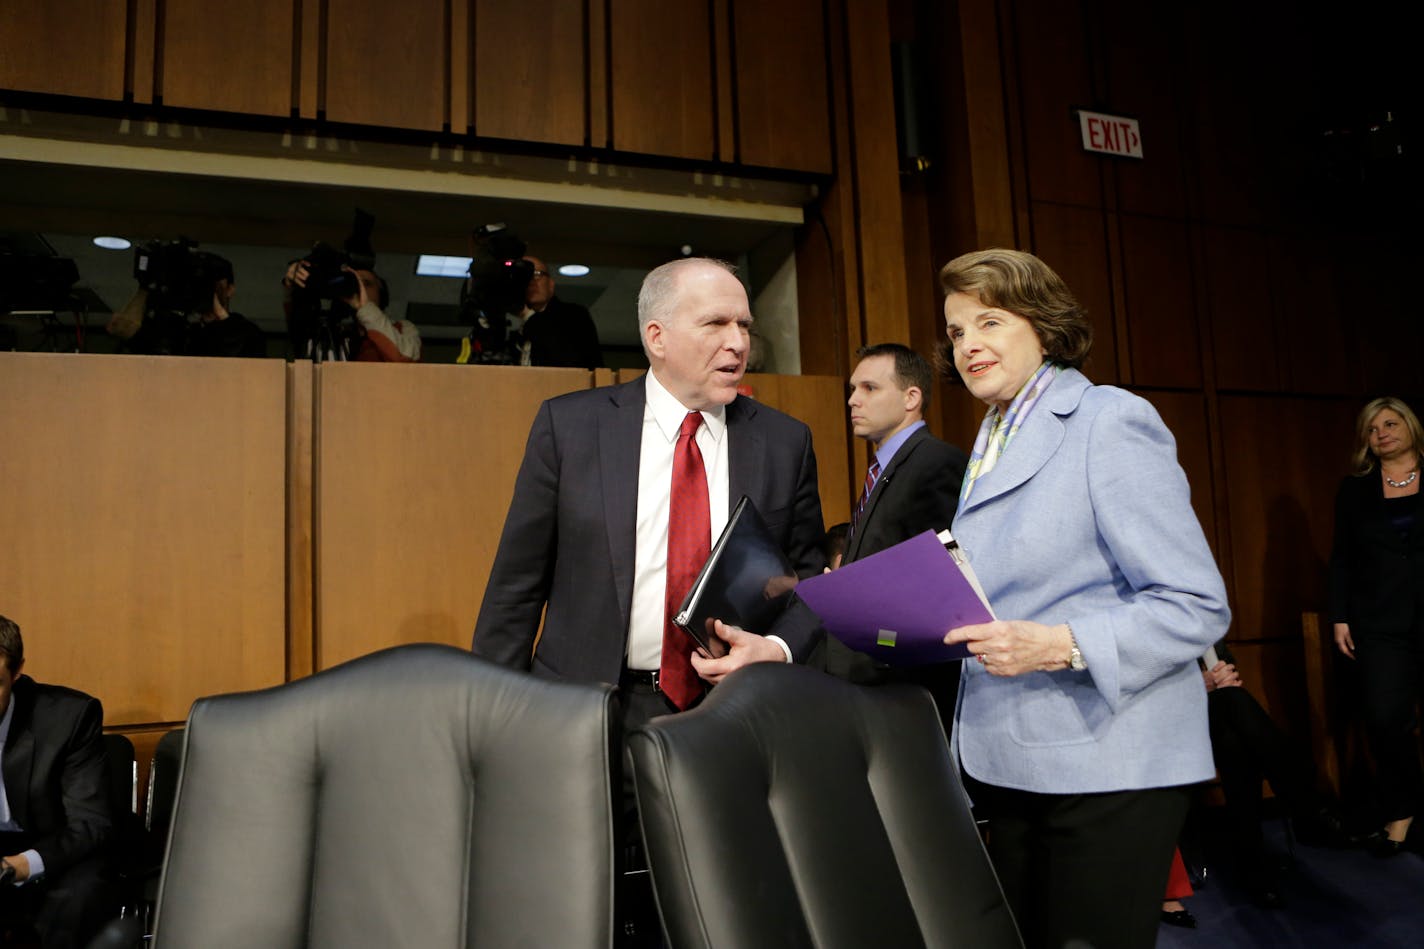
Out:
{"x": 1321, "y": 829}
{"x": 1179, "y": 917}
{"x": 1384, "y": 848}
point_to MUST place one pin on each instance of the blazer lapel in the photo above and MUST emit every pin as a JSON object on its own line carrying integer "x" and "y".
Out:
{"x": 745, "y": 453}
{"x": 1035, "y": 442}
{"x": 619, "y": 429}
{"x": 19, "y": 755}
{"x": 881, "y": 485}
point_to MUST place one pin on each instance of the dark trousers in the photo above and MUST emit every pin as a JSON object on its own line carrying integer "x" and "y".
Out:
{"x": 1391, "y": 684}
{"x": 636, "y": 921}
{"x": 65, "y": 909}
{"x": 1083, "y": 867}
{"x": 1248, "y": 746}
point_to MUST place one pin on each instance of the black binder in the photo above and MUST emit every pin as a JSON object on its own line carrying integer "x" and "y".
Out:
{"x": 746, "y": 581}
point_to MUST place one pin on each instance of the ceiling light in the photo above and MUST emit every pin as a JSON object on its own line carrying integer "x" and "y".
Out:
{"x": 573, "y": 270}
{"x": 434, "y": 265}
{"x": 112, "y": 243}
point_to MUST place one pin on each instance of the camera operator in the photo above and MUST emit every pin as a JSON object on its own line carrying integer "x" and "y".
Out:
{"x": 555, "y": 333}
{"x": 378, "y": 338}
{"x": 172, "y": 327}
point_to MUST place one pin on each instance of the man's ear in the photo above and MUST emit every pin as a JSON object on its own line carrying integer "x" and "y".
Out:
{"x": 914, "y": 400}
{"x": 653, "y": 338}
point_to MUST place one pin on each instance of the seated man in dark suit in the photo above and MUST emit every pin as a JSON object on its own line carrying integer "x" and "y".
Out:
{"x": 912, "y": 486}
{"x": 1247, "y": 746}
{"x": 54, "y": 812}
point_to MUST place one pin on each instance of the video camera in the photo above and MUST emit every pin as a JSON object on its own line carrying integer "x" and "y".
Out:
{"x": 328, "y": 276}
{"x": 35, "y": 282}
{"x": 179, "y": 278}
{"x": 494, "y": 290}
{"x": 319, "y": 308}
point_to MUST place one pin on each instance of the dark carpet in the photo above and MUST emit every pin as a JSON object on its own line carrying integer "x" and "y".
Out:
{"x": 1332, "y": 898}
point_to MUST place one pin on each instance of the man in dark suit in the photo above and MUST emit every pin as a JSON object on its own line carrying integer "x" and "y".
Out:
{"x": 555, "y": 332}
{"x": 593, "y": 533}
{"x": 915, "y": 488}
{"x": 585, "y": 539}
{"x": 54, "y": 812}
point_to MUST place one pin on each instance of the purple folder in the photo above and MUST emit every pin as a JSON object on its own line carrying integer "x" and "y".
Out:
{"x": 896, "y": 605}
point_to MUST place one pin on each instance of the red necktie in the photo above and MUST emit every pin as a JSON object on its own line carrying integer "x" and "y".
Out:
{"x": 689, "y": 542}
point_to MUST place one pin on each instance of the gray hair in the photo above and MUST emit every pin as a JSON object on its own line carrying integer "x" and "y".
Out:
{"x": 658, "y": 296}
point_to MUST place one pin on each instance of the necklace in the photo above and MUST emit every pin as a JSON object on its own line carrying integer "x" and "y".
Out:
{"x": 1401, "y": 484}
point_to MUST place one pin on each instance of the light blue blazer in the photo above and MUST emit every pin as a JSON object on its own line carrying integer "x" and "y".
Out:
{"x": 1086, "y": 519}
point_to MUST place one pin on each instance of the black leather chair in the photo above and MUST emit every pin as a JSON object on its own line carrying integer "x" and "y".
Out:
{"x": 414, "y": 797}
{"x": 794, "y": 809}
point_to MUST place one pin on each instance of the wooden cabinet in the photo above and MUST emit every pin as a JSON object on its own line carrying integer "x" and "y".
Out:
{"x": 387, "y": 63}
{"x": 661, "y": 78}
{"x": 228, "y": 57}
{"x": 64, "y": 47}
{"x": 782, "y": 100}
{"x": 702, "y": 80}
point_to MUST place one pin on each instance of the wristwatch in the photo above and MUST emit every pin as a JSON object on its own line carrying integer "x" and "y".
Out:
{"x": 1075, "y": 655}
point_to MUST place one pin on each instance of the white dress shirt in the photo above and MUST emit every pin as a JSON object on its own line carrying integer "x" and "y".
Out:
{"x": 662, "y": 421}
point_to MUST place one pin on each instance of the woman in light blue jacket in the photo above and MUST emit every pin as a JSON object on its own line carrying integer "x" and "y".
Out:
{"x": 1083, "y": 721}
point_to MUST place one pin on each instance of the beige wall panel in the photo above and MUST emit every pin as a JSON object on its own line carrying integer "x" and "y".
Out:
{"x": 529, "y": 67}
{"x": 819, "y": 401}
{"x": 64, "y": 47}
{"x": 199, "y": 69}
{"x": 143, "y": 524}
{"x": 660, "y": 65}
{"x": 415, "y": 466}
{"x": 386, "y": 63}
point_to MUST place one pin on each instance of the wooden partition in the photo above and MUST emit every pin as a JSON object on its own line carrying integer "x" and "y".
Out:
{"x": 415, "y": 466}
{"x": 180, "y": 527}
{"x": 143, "y": 525}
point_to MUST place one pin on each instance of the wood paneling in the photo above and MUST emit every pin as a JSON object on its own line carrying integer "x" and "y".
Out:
{"x": 782, "y": 107}
{"x": 1073, "y": 241}
{"x": 530, "y": 74}
{"x": 1237, "y": 298}
{"x": 199, "y": 70}
{"x": 1158, "y": 303}
{"x": 1317, "y": 347}
{"x": 1144, "y": 68}
{"x": 1283, "y": 460}
{"x": 880, "y": 229}
{"x": 415, "y": 466}
{"x": 143, "y": 525}
{"x": 819, "y": 401}
{"x": 1054, "y": 78}
{"x": 64, "y": 47}
{"x": 386, "y": 64}
{"x": 661, "y": 69}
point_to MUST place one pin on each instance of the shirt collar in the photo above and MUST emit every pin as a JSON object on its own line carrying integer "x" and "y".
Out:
{"x": 887, "y": 448}
{"x": 668, "y": 412}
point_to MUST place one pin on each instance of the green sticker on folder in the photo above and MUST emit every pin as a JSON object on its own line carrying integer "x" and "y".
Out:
{"x": 885, "y": 637}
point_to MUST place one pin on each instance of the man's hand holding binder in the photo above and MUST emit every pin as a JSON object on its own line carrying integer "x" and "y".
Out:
{"x": 743, "y": 648}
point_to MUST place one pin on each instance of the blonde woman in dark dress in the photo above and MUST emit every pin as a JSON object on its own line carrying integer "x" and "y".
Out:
{"x": 1377, "y": 600}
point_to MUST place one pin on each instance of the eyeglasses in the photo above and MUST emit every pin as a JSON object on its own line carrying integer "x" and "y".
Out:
{"x": 540, "y": 273}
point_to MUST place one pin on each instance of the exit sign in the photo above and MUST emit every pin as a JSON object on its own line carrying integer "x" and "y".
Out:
{"x": 1110, "y": 134}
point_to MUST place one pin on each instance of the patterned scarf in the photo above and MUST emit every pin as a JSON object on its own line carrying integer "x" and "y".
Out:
{"x": 996, "y": 429}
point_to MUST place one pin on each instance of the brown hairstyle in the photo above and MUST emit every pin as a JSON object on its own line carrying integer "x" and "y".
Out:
{"x": 910, "y": 367}
{"x": 1362, "y": 460}
{"x": 1019, "y": 282}
{"x": 12, "y": 646}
